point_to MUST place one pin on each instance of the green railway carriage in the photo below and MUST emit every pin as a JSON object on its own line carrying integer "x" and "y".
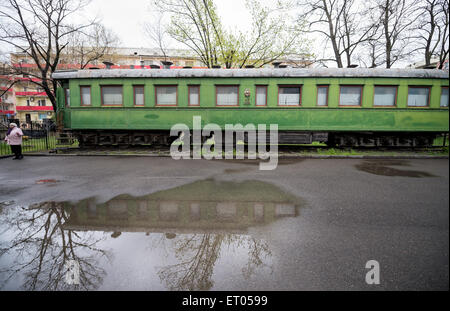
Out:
{"x": 338, "y": 106}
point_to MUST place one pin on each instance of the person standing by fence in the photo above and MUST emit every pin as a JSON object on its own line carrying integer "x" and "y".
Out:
{"x": 14, "y": 139}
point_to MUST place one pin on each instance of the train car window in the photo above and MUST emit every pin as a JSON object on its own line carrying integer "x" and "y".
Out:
{"x": 112, "y": 95}
{"x": 67, "y": 96}
{"x": 322, "y": 95}
{"x": 85, "y": 95}
{"x": 289, "y": 95}
{"x": 166, "y": 95}
{"x": 350, "y": 95}
{"x": 138, "y": 96}
{"x": 418, "y": 96}
{"x": 261, "y": 95}
{"x": 385, "y": 96}
{"x": 194, "y": 95}
{"x": 444, "y": 97}
{"x": 227, "y": 95}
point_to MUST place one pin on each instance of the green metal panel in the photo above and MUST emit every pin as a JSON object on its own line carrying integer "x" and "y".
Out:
{"x": 287, "y": 118}
{"x": 306, "y": 117}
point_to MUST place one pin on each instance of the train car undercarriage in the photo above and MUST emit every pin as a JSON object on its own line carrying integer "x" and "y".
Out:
{"x": 332, "y": 139}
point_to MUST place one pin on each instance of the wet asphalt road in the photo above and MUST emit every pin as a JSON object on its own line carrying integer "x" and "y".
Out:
{"x": 310, "y": 224}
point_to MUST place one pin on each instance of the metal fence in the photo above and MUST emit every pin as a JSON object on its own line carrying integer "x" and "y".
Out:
{"x": 38, "y": 136}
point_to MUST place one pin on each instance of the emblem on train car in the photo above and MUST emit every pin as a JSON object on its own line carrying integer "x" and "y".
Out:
{"x": 247, "y": 94}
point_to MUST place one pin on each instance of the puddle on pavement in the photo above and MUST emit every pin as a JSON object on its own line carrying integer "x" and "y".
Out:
{"x": 185, "y": 238}
{"x": 6, "y": 203}
{"x": 384, "y": 168}
{"x": 46, "y": 181}
{"x": 236, "y": 170}
{"x": 281, "y": 161}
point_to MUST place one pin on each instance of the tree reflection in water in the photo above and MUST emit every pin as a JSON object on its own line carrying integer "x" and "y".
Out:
{"x": 198, "y": 255}
{"x": 204, "y": 220}
{"x": 40, "y": 249}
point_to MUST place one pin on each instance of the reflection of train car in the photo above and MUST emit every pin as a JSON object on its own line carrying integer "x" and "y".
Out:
{"x": 203, "y": 206}
{"x": 338, "y": 106}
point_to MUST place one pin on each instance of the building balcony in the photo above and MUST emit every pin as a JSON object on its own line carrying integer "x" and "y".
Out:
{"x": 4, "y": 88}
{"x": 34, "y": 108}
{"x": 43, "y": 94}
{"x": 5, "y": 112}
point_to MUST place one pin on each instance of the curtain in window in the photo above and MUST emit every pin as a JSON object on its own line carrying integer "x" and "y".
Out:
{"x": 322, "y": 93}
{"x": 139, "y": 95}
{"x": 350, "y": 96}
{"x": 112, "y": 95}
{"x": 418, "y": 96}
{"x": 444, "y": 97}
{"x": 261, "y": 94}
{"x": 86, "y": 96}
{"x": 67, "y": 93}
{"x": 194, "y": 96}
{"x": 289, "y": 96}
{"x": 384, "y": 96}
{"x": 166, "y": 95}
{"x": 227, "y": 95}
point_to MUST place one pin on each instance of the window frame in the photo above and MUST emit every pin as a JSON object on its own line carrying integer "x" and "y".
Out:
{"x": 361, "y": 87}
{"x": 256, "y": 93}
{"x": 442, "y": 88}
{"x": 134, "y": 94}
{"x": 395, "y": 98}
{"x": 300, "y": 86}
{"x": 327, "y": 86}
{"x": 190, "y": 86}
{"x": 81, "y": 95}
{"x": 419, "y": 87}
{"x": 67, "y": 103}
{"x": 166, "y": 85}
{"x": 228, "y": 85}
{"x": 101, "y": 94}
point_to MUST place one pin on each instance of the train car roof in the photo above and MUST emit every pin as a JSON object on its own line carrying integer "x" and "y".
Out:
{"x": 254, "y": 73}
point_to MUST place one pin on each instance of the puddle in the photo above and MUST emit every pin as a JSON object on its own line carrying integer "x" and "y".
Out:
{"x": 281, "y": 161}
{"x": 384, "y": 168}
{"x": 236, "y": 170}
{"x": 8, "y": 191}
{"x": 46, "y": 181}
{"x": 185, "y": 238}
{"x": 6, "y": 203}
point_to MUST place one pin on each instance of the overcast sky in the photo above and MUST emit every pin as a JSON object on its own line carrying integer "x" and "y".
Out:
{"x": 126, "y": 17}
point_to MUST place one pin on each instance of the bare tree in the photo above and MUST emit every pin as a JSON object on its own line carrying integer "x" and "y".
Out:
{"x": 195, "y": 24}
{"x": 340, "y": 22}
{"x": 372, "y": 54}
{"x": 90, "y": 46}
{"x": 434, "y": 30}
{"x": 273, "y": 36}
{"x": 158, "y": 32}
{"x": 41, "y": 29}
{"x": 397, "y": 20}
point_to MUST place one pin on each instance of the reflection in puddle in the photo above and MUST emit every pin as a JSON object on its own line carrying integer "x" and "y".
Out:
{"x": 203, "y": 206}
{"x": 46, "y": 181}
{"x": 202, "y": 222}
{"x": 236, "y": 170}
{"x": 383, "y": 168}
{"x": 281, "y": 161}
